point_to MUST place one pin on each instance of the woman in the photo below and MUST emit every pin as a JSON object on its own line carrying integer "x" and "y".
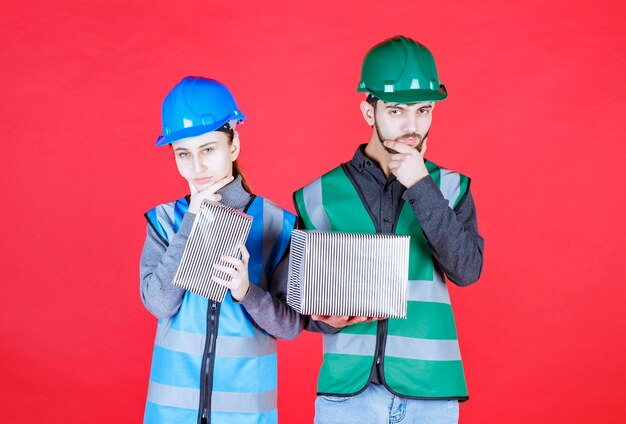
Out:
{"x": 214, "y": 362}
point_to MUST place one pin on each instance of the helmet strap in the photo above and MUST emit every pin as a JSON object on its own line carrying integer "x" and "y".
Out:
{"x": 226, "y": 128}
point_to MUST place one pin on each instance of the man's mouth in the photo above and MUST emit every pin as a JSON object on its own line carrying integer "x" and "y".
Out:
{"x": 410, "y": 139}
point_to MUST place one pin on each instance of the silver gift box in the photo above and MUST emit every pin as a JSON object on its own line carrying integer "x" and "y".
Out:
{"x": 348, "y": 274}
{"x": 217, "y": 231}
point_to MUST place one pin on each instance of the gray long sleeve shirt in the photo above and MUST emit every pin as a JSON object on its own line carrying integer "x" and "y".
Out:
{"x": 159, "y": 262}
{"x": 452, "y": 236}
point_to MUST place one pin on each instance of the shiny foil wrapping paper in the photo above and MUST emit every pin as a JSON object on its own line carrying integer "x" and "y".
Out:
{"x": 348, "y": 274}
{"x": 217, "y": 231}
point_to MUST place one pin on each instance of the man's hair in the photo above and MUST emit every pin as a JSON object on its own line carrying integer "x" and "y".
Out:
{"x": 372, "y": 100}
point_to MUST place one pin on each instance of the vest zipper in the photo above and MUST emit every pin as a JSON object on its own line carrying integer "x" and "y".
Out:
{"x": 381, "y": 340}
{"x": 208, "y": 361}
{"x": 382, "y": 329}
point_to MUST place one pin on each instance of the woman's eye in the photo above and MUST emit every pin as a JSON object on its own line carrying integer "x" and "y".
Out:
{"x": 207, "y": 150}
{"x": 183, "y": 155}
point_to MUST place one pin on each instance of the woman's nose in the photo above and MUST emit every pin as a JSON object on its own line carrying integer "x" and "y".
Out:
{"x": 198, "y": 165}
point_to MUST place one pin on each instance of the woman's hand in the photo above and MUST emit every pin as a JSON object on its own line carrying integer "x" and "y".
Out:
{"x": 207, "y": 193}
{"x": 239, "y": 283}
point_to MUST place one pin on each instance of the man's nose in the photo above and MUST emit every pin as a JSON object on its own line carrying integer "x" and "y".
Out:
{"x": 410, "y": 123}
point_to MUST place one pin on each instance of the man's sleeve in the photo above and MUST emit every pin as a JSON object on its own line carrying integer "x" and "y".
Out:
{"x": 452, "y": 235}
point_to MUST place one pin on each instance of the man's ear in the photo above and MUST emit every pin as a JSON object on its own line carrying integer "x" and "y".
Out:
{"x": 235, "y": 147}
{"x": 368, "y": 113}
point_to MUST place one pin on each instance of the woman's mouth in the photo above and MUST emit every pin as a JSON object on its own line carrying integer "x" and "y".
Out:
{"x": 202, "y": 180}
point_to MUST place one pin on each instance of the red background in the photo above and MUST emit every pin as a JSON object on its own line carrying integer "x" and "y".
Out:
{"x": 535, "y": 116}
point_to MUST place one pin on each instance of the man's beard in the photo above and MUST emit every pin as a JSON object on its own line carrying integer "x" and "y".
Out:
{"x": 402, "y": 137}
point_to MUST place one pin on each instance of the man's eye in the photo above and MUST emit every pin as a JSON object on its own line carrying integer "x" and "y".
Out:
{"x": 207, "y": 150}
{"x": 183, "y": 155}
{"x": 395, "y": 112}
{"x": 424, "y": 111}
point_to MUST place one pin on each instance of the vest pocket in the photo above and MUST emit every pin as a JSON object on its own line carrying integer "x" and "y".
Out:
{"x": 336, "y": 399}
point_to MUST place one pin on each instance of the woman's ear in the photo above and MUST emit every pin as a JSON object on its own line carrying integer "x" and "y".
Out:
{"x": 368, "y": 113}
{"x": 235, "y": 147}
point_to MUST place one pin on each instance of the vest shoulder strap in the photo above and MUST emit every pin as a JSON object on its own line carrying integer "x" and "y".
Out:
{"x": 277, "y": 226}
{"x": 309, "y": 200}
{"x": 453, "y": 185}
{"x": 165, "y": 218}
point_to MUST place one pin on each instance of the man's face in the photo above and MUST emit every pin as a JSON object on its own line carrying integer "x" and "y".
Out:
{"x": 406, "y": 123}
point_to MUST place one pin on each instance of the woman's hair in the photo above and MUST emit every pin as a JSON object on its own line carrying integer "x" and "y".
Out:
{"x": 237, "y": 171}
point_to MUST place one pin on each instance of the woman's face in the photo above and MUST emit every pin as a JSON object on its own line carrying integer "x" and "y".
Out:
{"x": 206, "y": 158}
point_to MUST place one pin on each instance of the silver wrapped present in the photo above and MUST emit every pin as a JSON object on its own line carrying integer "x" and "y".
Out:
{"x": 217, "y": 231}
{"x": 348, "y": 274}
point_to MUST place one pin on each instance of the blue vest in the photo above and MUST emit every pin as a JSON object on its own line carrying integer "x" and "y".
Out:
{"x": 210, "y": 358}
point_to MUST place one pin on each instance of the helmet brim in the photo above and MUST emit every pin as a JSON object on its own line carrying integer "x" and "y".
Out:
{"x": 164, "y": 140}
{"x": 410, "y": 96}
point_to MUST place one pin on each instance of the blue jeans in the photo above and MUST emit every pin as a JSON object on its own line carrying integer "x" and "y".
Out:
{"x": 376, "y": 405}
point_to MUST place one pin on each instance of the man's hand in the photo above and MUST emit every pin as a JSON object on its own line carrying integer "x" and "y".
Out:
{"x": 408, "y": 164}
{"x": 207, "y": 193}
{"x": 239, "y": 283}
{"x": 341, "y": 322}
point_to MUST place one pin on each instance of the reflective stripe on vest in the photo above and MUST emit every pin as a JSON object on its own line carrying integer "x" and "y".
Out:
{"x": 244, "y": 371}
{"x": 234, "y": 402}
{"x": 421, "y": 353}
{"x": 396, "y": 346}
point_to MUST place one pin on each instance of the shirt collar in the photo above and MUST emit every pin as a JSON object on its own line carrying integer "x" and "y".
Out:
{"x": 365, "y": 165}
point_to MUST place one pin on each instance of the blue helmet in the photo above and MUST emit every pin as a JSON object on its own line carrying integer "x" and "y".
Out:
{"x": 195, "y": 106}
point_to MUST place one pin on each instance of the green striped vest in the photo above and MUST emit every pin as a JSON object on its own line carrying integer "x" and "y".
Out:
{"x": 419, "y": 356}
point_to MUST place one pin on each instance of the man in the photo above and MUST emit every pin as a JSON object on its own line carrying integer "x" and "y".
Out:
{"x": 397, "y": 370}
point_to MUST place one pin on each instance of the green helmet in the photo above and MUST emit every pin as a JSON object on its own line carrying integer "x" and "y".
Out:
{"x": 400, "y": 70}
